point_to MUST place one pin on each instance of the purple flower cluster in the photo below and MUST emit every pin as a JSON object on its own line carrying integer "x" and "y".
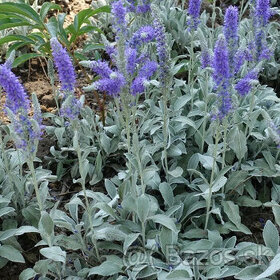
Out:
{"x": 194, "y": 11}
{"x": 221, "y": 76}
{"x": 162, "y": 53}
{"x": 131, "y": 60}
{"x": 16, "y": 97}
{"x": 260, "y": 13}
{"x": 71, "y": 106}
{"x": 144, "y": 74}
{"x": 263, "y": 12}
{"x": 141, "y": 7}
{"x": 27, "y": 130}
{"x": 244, "y": 86}
{"x": 64, "y": 66}
{"x": 231, "y": 33}
{"x": 206, "y": 59}
{"x": 143, "y": 35}
{"x": 119, "y": 12}
{"x": 112, "y": 84}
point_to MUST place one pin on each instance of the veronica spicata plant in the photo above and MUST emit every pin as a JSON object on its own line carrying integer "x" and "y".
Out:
{"x": 27, "y": 130}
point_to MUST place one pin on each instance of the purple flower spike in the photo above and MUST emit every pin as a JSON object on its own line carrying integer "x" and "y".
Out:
{"x": 111, "y": 85}
{"x": 101, "y": 68}
{"x": 221, "y": 63}
{"x": 221, "y": 75}
{"x": 144, "y": 8}
{"x": 148, "y": 69}
{"x": 244, "y": 86}
{"x": 263, "y": 12}
{"x": 16, "y": 97}
{"x": 144, "y": 35}
{"x": 119, "y": 13}
{"x": 161, "y": 50}
{"x": 131, "y": 60}
{"x": 138, "y": 85}
{"x": 194, "y": 11}
{"x": 64, "y": 66}
{"x": 205, "y": 59}
{"x": 145, "y": 73}
{"x": 231, "y": 32}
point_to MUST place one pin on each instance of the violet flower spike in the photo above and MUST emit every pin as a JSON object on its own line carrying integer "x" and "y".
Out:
{"x": 145, "y": 73}
{"x": 194, "y": 12}
{"x": 221, "y": 76}
{"x": 162, "y": 53}
{"x": 119, "y": 12}
{"x": 231, "y": 33}
{"x": 101, "y": 68}
{"x": 16, "y": 97}
{"x": 205, "y": 58}
{"x": 244, "y": 86}
{"x": 112, "y": 85}
{"x": 262, "y": 12}
{"x": 64, "y": 66}
{"x": 143, "y": 35}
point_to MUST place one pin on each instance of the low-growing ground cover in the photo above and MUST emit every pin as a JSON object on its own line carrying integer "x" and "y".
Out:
{"x": 157, "y": 154}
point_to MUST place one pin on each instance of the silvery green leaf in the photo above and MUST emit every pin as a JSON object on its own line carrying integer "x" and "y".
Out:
{"x": 143, "y": 207}
{"x": 181, "y": 101}
{"x": 167, "y": 193}
{"x": 46, "y": 227}
{"x": 181, "y": 272}
{"x": 248, "y": 202}
{"x": 86, "y": 63}
{"x": 129, "y": 239}
{"x": 54, "y": 253}
{"x": 218, "y": 184}
{"x": 273, "y": 267}
{"x": 237, "y": 142}
{"x": 14, "y": 232}
{"x": 109, "y": 267}
{"x": 106, "y": 210}
{"x": 110, "y": 188}
{"x": 177, "y": 172}
{"x": 6, "y": 211}
{"x": 165, "y": 221}
{"x": 27, "y": 274}
{"x": 97, "y": 173}
{"x": 109, "y": 233}
{"x": 249, "y": 272}
{"x": 232, "y": 211}
{"x": 271, "y": 236}
{"x": 10, "y": 253}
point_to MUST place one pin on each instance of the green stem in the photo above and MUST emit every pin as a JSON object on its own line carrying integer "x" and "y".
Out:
{"x": 252, "y": 104}
{"x": 143, "y": 233}
{"x": 205, "y": 117}
{"x": 83, "y": 183}
{"x": 30, "y": 164}
{"x": 165, "y": 129}
{"x": 213, "y": 23}
{"x": 225, "y": 141}
{"x": 190, "y": 73}
{"x": 217, "y": 138}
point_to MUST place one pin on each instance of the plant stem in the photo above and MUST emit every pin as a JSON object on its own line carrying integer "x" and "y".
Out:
{"x": 143, "y": 233}
{"x": 217, "y": 138}
{"x": 206, "y": 109}
{"x": 30, "y": 163}
{"x": 83, "y": 183}
{"x": 165, "y": 129}
{"x": 252, "y": 103}
{"x": 225, "y": 121}
{"x": 190, "y": 72}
